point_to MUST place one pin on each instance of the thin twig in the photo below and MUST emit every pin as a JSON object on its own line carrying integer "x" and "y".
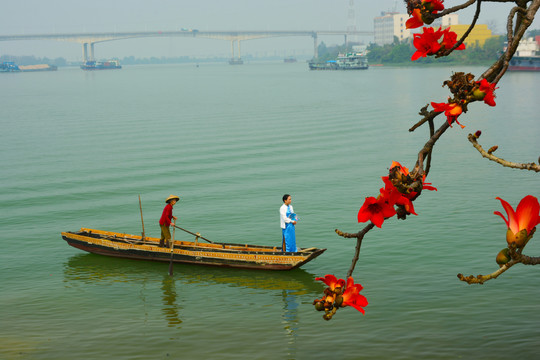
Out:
{"x": 359, "y": 237}
{"x": 529, "y": 166}
{"x": 449, "y": 51}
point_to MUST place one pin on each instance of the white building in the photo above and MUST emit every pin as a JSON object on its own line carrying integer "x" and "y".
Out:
{"x": 388, "y": 25}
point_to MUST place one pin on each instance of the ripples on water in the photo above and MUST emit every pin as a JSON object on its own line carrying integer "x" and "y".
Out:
{"x": 77, "y": 148}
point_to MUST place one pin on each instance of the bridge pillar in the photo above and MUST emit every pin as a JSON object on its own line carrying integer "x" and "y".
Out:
{"x": 315, "y": 48}
{"x": 237, "y": 59}
{"x": 92, "y": 51}
{"x": 84, "y": 52}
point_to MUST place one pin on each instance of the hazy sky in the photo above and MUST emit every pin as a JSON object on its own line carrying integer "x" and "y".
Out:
{"x": 73, "y": 16}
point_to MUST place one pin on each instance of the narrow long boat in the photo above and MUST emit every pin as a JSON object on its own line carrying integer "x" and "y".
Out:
{"x": 189, "y": 252}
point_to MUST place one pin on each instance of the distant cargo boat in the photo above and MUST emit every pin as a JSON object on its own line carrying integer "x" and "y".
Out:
{"x": 38, "y": 67}
{"x": 101, "y": 65}
{"x": 527, "y": 56}
{"x": 236, "y": 61}
{"x": 9, "y": 66}
{"x": 289, "y": 59}
{"x": 350, "y": 61}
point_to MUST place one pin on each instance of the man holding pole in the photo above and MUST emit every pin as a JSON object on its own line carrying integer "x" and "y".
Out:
{"x": 165, "y": 221}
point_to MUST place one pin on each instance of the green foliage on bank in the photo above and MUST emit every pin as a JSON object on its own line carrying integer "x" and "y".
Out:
{"x": 400, "y": 53}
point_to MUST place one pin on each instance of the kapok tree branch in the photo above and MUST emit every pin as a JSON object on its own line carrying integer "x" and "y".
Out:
{"x": 525, "y": 19}
{"x": 488, "y": 155}
{"x": 449, "y": 51}
{"x": 516, "y": 259}
{"x": 359, "y": 237}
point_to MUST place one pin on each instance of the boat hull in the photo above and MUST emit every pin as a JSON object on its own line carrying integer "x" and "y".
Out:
{"x": 215, "y": 254}
{"x": 99, "y": 65}
{"x": 524, "y": 63}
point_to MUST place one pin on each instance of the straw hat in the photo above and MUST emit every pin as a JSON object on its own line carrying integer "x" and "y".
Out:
{"x": 171, "y": 197}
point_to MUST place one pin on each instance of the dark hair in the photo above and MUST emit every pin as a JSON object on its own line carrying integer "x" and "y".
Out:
{"x": 285, "y": 197}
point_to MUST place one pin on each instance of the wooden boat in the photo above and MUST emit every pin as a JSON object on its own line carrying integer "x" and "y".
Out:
{"x": 217, "y": 254}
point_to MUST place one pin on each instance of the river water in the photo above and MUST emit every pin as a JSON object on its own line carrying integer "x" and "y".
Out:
{"x": 79, "y": 147}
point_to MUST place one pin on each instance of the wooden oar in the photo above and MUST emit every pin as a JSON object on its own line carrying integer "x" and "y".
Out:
{"x": 196, "y": 235}
{"x": 172, "y": 253}
{"x": 140, "y": 207}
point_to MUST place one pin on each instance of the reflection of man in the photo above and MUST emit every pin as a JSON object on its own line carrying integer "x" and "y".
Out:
{"x": 287, "y": 222}
{"x": 290, "y": 320}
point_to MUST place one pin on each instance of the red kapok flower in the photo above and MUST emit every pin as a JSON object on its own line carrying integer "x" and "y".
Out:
{"x": 522, "y": 221}
{"x": 376, "y": 210}
{"x": 426, "y": 43}
{"x": 427, "y": 6}
{"x": 433, "y": 5}
{"x": 450, "y": 39}
{"x": 331, "y": 281}
{"x": 426, "y": 185}
{"x": 352, "y": 297}
{"x": 451, "y": 110}
{"x": 398, "y": 198}
{"x": 485, "y": 92}
{"x": 415, "y": 21}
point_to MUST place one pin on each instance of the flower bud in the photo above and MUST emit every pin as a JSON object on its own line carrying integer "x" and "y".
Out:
{"x": 477, "y": 134}
{"x": 427, "y": 19}
{"x": 319, "y": 306}
{"x": 520, "y": 238}
{"x": 478, "y": 94}
{"x": 339, "y": 301}
{"x": 503, "y": 257}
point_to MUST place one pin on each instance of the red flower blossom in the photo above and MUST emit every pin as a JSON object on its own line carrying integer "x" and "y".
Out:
{"x": 426, "y": 43}
{"x": 427, "y": 6}
{"x": 427, "y": 186}
{"x": 405, "y": 172}
{"x": 433, "y": 5}
{"x": 522, "y": 221}
{"x": 485, "y": 92}
{"x": 352, "y": 297}
{"x": 415, "y": 21}
{"x": 451, "y": 110}
{"x": 396, "y": 197}
{"x": 331, "y": 281}
{"x": 450, "y": 39}
{"x": 376, "y": 210}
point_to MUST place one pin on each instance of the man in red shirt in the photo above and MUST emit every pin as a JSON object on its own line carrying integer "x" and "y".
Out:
{"x": 165, "y": 221}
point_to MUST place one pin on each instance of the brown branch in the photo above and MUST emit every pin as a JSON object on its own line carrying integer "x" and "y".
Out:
{"x": 480, "y": 279}
{"x": 525, "y": 19}
{"x": 428, "y": 147}
{"x": 516, "y": 259}
{"x": 359, "y": 237}
{"x": 428, "y": 115}
{"x": 455, "y": 8}
{"x": 449, "y": 51}
{"x": 529, "y": 260}
{"x": 529, "y": 166}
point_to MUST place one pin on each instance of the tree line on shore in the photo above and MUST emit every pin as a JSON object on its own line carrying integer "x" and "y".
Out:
{"x": 400, "y": 52}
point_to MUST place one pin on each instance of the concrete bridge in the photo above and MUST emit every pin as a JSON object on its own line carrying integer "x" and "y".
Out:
{"x": 86, "y": 39}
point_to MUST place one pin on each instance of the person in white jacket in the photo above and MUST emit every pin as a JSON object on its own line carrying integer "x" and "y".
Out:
{"x": 288, "y": 221}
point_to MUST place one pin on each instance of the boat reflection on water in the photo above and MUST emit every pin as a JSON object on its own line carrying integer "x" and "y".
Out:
{"x": 91, "y": 269}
